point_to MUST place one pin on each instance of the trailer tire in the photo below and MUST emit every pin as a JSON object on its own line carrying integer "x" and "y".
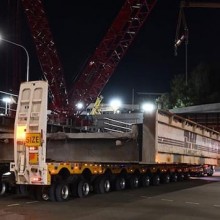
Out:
{"x": 42, "y": 193}
{"x": 156, "y": 180}
{"x": 83, "y": 189}
{"x": 173, "y": 177}
{"x": 3, "y": 188}
{"x": 52, "y": 196}
{"x": 165, "y": 178}
{"x": 186, "y": 176}
{"x": 145, "y": 181}
{"x": 210, "y": 172}
{"x": 62, "y": 192}
{"x": 120, "y": 183}
{"x": 180, "y": 176}
{"x": 133, "y": 182}
{"x": 102, "y": 185}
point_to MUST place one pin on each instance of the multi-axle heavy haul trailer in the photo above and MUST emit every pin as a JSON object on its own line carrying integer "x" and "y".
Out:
{"x": 53, "y": 163}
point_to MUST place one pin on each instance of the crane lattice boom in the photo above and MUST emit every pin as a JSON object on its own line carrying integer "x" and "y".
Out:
{"x": 100, "y": 66}
{"x": 110, "y": 51}
{"x": 47, "y": 53}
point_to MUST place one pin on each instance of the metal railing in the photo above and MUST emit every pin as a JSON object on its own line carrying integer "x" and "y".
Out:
{"x": 116, "y": 126}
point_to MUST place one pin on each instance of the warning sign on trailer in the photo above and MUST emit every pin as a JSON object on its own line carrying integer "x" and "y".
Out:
{"x": 33, "y": 139}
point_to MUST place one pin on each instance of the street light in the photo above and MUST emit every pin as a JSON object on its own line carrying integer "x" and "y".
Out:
{"x": 19, "y": 45}
{"x": 7, "y": 101}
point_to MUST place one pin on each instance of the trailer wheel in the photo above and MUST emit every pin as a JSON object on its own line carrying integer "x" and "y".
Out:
{"x": 186, "y": 176}
{"x": 180, "y": 176}
{"x": 210, "y": 172}
{"x": 83, "y": 189}
{"x": 45, "y": 196}
{"x": 3, "y": 188}
{"x": 156, "y": 180}
{"x": 145, "y": 180}
{"x": 102, "y": 185}
{"x": 62, "y": 192}
{"x": 120, "y": 183}
{"x": 133, "y": 182}
{"x": 42, "y": 193}
{"x": 39, "y": 193}
{"x": 52, "y": 192}
{"x": 107, "y": 185}
{"x": 173, "y": 177}
{"x": 165, "y": 178}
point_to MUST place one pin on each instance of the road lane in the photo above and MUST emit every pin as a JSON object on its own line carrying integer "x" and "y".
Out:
{"x": 194, "y": 199}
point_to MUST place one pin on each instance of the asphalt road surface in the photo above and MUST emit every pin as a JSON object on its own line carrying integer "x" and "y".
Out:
{"x": 196, "y": 199}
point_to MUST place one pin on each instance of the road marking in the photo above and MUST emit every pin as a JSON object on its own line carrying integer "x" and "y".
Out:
{"x": 167, "y": 200}
{"x": 192, "y": 203}
{"x": 216, "y": 205}
{"x": 31, "y": 202}
{"x": 16, "y": 204}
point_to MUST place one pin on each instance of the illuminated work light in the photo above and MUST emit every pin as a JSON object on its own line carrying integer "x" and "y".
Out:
{"x": 115, "y": 104}
{"x": 79, "y": 105}
{"x": 148, "y": 107}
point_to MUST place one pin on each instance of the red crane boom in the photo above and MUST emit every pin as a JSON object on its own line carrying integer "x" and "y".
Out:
{"x": 110, "y": 51}
{"x": 100, "y": 66}
{"x": 47, "y": 53}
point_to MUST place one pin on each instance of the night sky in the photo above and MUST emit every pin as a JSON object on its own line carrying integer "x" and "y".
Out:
{"x": 149, "y": 64}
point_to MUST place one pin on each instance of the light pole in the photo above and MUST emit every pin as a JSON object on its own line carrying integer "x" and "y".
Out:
{"x": 19, "y": 45}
